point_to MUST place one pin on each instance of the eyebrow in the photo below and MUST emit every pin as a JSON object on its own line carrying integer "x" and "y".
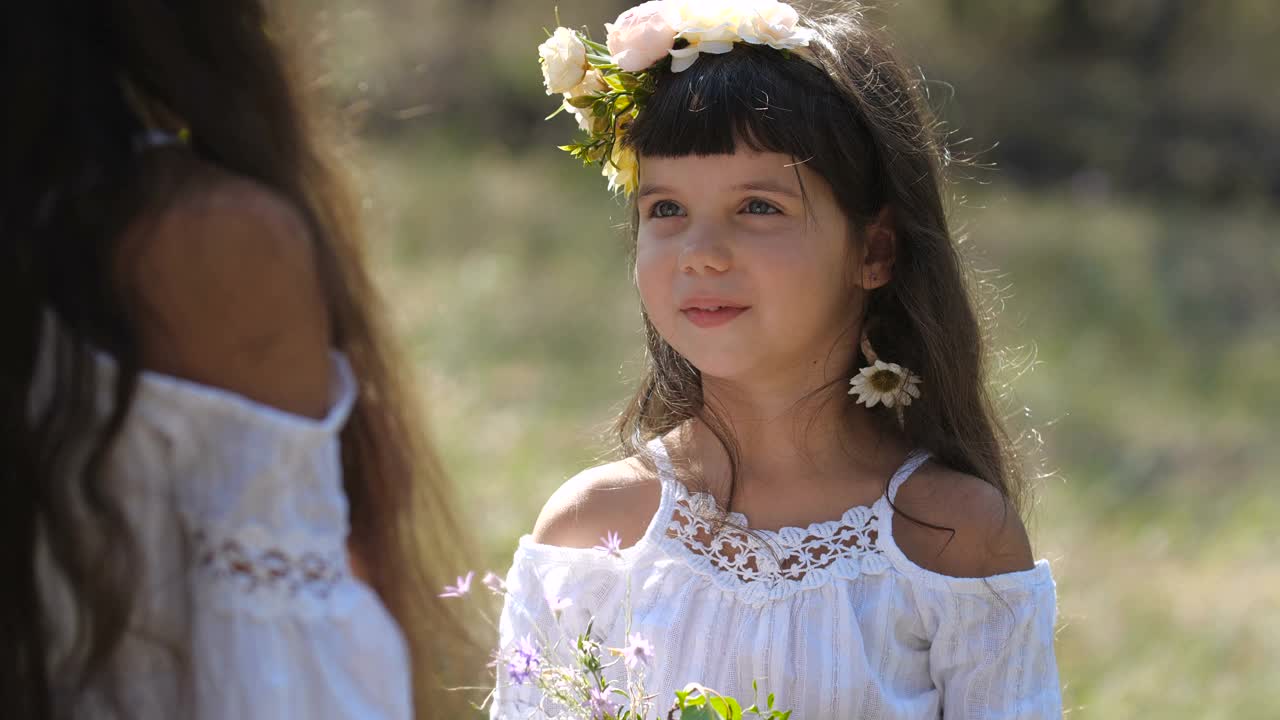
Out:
{"x": 647, "y": 190}
{"x": 768, "y": 186}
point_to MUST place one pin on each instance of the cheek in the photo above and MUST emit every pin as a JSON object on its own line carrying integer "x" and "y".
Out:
{"x": 653, "y": 277}
{"x": 809, "y": 286}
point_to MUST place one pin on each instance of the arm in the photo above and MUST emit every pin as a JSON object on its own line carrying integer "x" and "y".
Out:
{"x": 225, "y": 294}
{"x": 993, "y": 657}
{"x": 992, "y": 609}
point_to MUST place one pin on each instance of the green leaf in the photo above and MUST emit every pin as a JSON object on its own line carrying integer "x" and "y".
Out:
{"x": 582, "y": 101}
{"x": 629, "y": 81}
{"x": 592, "y": 44}
{"x": 699, "y": 713}
{"x": 727, "y": 707}
{"x": 614, "y": 81}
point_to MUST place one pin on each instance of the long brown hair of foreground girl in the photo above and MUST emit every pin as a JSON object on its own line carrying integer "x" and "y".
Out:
{"x": 83, "y": 214}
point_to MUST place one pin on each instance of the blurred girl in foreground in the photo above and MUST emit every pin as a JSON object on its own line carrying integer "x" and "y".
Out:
{"x": 212, "y": 503}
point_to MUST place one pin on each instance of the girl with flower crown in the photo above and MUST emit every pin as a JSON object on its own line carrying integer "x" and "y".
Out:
{"x": 816, "y": 493}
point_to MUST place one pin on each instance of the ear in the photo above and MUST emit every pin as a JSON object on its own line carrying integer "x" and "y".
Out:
{"x": 880, "y": 247}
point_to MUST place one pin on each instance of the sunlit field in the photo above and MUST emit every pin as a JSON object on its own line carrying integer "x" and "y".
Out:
{"x": 1137, "y": 292}
{"x": 1139, "y": 349}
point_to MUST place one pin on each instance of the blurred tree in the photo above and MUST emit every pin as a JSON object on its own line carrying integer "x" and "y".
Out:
{"x": 1146, "y": 96}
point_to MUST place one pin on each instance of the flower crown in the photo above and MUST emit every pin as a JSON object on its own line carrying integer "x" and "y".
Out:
{"x": 606, "y": 86}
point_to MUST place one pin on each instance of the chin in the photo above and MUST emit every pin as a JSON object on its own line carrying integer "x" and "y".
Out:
{"x": 721, "y": 365}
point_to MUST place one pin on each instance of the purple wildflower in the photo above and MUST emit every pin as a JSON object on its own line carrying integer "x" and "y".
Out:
{"x": 462, "y": 588}
{"x": 600, "y": 705}
{"x": 637, "y": 651}
{"x": 494, "y": 583}
{"x": 612, "y": 544}
{"x": 524, "y": 661}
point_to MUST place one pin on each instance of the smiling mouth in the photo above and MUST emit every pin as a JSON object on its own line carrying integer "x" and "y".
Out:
{"x": 709, "y": 316}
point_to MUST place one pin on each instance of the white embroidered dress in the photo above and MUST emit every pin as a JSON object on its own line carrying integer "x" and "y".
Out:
{"x": 834, "y": 619}
{"x": 246, "y": 606}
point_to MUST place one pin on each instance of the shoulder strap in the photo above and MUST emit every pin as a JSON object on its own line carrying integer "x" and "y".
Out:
{"x": 666, "y": 471}
{"x": 912, "y": 463}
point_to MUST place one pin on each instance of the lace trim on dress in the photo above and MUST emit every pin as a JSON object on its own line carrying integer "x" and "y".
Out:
{"x": 253, "y": 569}
{"x": 762, "y": 566}
{"x": 767, "y": 565}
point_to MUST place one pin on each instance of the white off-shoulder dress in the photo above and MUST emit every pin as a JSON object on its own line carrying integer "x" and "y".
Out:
{"x": 833, "y": 619}
{"x": 245, "y": 602}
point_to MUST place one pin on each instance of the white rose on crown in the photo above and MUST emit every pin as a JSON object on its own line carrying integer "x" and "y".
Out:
{"x": 564, "y": 61}
{"x": 775, "y": 24}
{"x": 644, "y": 34}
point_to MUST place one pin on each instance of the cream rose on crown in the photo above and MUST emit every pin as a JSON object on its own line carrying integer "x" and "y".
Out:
{"x": 564, "y": 61}
{"x": 775, "y": 24}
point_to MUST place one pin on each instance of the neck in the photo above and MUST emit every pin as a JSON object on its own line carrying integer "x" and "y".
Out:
{"x": 788, "y": 435}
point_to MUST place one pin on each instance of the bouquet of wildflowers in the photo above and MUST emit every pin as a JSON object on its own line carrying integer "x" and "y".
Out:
{"x": 572, "y": 671}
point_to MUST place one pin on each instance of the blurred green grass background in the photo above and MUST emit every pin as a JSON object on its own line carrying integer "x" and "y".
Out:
{"x": 1130, "y": 223}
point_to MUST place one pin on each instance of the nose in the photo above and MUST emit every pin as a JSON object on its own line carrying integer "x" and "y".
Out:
{"x": 705, "y": 252}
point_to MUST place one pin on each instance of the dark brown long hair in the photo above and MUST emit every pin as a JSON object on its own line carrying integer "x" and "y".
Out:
{"x": 72, "y": 183}
{"x": 856, "y": 117}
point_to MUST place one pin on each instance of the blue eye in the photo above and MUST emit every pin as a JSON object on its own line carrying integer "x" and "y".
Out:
{"x": 760, "y": 207}
{"x": 665, "y": 209}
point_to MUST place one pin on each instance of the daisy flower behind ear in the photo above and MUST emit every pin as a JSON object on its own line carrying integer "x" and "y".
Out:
{"x": 885, "y": 383}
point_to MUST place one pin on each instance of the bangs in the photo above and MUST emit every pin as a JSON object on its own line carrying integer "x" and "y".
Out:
{"x": 751, "y": 96}
{"x": 765, "y": 100}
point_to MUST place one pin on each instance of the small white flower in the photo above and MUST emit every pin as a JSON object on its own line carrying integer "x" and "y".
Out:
{"x": 564, "y": 61}
{"x": 887, "y": 383}
{"x": 592, "y": 84}
{"x": 774, "y": 24}
{"x": 707, "y": 26}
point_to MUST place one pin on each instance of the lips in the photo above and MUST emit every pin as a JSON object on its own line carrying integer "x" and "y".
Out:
{"x": 711, "y": 312}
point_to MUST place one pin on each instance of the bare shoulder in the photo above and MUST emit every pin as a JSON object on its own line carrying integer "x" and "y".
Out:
{"x": 225, "y": 290}
{"x": 982, "y": 534}
{"x": 620, "y": 497}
